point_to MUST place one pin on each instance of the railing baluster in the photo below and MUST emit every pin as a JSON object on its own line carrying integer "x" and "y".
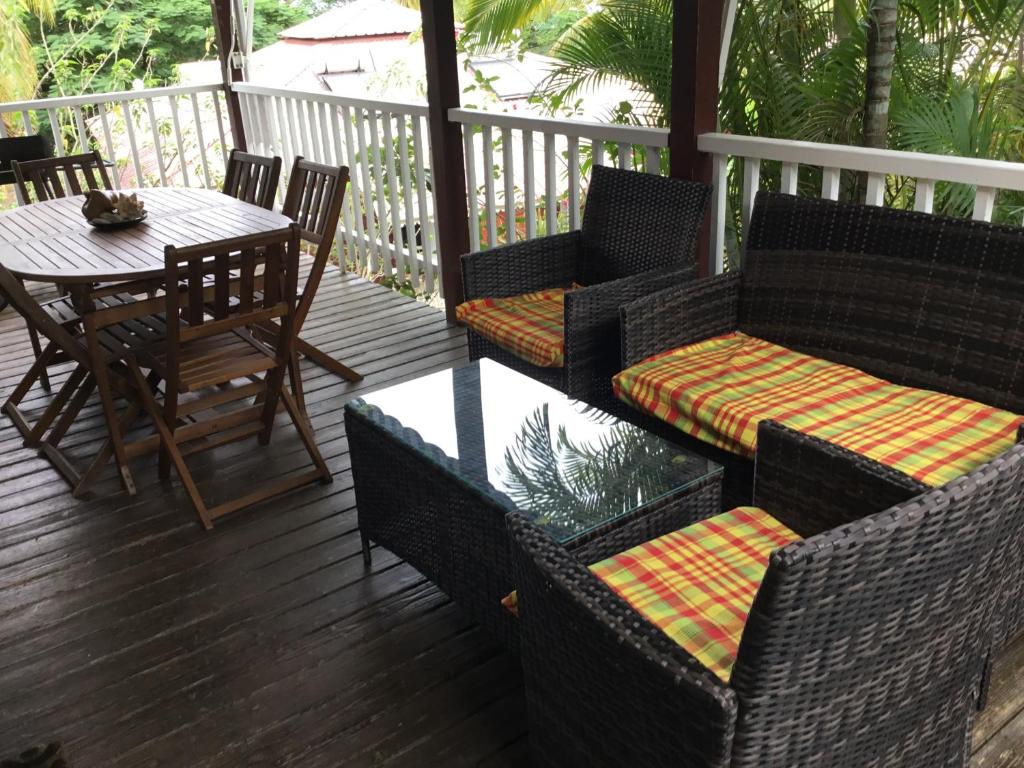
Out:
{"x": 58, "y": 135}
{"x": 423, "y": 201}
{"x": 830, "y": 183}
{"x": 625, "y": 152}
{"x": 508, "y": 170}
{"x": 108, "y": 141}
{"x": 350, "y": 238}
{"x": 924, "y": 195}
{"x": 489, "y": 195}
{"x": 597, "y": 152}
{"x": 316, "y": 135}
{"x": 215, "y": 98}
{"x": 550, "y": 186}
{"x": 875, "y": 193}
{"x": 407, "y": 201}
{"x": 388, "y": 157}
{"x": 325, "y": 134}
{"x": 751, "y": 183}
{"x": 287, "y": 146}
{"x": 129, "y": 127}
{"x": 379, "y": 191}
{"x": 157, "y": 148}
{"x": 376, "y": 244}
{"x": 3, "y": 125}
{"x": 984, "y": 204}
{"x": 653, "y": 160}
{"x": 294, "y": 129}
{"x": 355, "y": 186}
{"x": 469, "y": 150}
{"x": 573, "y": 170}
{"x": 201, "y": 141}
{"x": 790, "y": 177}
{"x": 26, "y": 121}
{"x": 176, "y": 125}
{"x": 720, "y": 169}
{"x": 83, "y": 134}
{"x": 529, "y": 186}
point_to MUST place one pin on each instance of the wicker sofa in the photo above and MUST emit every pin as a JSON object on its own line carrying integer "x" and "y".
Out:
{"x": 638, "y": 236}
{"x": 828, "y": 672}
{"x": 918, "y": 300}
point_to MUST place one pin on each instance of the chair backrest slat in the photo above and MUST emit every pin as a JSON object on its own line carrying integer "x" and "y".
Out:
{"x": 56, "y": 177}
{"x": 252, "y": 178}
{"x": 313, "y": 201}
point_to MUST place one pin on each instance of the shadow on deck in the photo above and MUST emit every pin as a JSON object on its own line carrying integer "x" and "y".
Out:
{"x": 136, "y": 638}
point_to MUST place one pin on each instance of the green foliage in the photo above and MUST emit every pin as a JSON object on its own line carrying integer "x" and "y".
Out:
{"x": 542, "y": 34}
{"x": 106, "y": 45}
{"x": 17, "y": 70}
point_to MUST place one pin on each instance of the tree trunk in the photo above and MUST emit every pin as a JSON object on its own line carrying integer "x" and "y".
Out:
{"x": 881, "y": 52}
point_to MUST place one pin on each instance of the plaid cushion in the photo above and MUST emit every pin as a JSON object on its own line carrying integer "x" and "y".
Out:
{"x": 697, "y": 585}
{"x": 531, "y": 326}
{"x": 718, "y": 390}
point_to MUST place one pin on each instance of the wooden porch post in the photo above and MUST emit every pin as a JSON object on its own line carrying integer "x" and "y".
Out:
{"x": 448, "y": 163}
{"x": 696, "y": 45}
{"x": 221, "y": 10}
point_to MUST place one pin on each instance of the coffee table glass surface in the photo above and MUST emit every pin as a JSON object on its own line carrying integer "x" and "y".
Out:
{"x": 569, "y": 466}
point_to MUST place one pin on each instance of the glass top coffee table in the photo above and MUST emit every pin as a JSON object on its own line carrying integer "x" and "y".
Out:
{"x": 439, "y": 460}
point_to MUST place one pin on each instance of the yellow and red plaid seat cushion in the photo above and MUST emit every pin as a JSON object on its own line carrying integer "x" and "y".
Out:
{"x": 531, "y": 326}
{"x": 697, "y": 585}
{"x": 720, "y": 389}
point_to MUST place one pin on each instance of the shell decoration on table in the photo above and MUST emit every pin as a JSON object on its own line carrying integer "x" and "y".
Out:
{"x": 112, "y": 208}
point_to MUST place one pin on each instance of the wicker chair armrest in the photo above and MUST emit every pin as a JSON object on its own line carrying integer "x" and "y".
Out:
{"x": 811, "y": 485}
{"x": 678, "y": 316}
{"x": 578, "y": 635}
{"x": 531, "y": 265}
{"x": 592, "y": 354}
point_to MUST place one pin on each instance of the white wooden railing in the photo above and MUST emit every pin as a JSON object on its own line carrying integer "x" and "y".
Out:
{"x": 527, "y": 175}
{"x": 741, "y": 158}
{"x": 156, "y": 136}
{"x": 388, "y": 226}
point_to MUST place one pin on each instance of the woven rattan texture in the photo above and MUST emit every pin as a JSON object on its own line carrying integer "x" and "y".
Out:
{"x": 865, "y": 646}
{"x": 639, "y": 236}
{"x": 921, "y": 300}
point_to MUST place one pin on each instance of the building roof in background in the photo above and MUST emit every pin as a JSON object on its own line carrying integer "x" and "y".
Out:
{"x": 357, "y": 18}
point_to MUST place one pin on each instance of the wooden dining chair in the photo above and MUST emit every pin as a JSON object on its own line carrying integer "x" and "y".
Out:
{"x": 252, "y": 178}
{"x": 212, "y": 360}
{"x": 54, "y": 177}
{"x": 313, "y": 200}
{"x": 98, "y": 352}
{"x": 49, "y": 178}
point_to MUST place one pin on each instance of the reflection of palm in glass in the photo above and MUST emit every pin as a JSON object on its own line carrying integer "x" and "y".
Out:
{"x": 567, "y": 486}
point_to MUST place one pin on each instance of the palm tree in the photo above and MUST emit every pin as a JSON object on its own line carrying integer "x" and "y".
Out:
{"x": 18, "y": 75}
{"x": 881, "y": 54}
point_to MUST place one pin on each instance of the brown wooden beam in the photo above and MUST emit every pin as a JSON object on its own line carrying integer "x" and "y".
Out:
{"x": 696, "y": 44}
{"x": 221, "y": 10}
{"x": 448, "y": 166}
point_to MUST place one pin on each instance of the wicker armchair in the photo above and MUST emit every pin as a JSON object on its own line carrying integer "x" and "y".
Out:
{"x": 638, "y": 236}
{"x": 865, "y": 645}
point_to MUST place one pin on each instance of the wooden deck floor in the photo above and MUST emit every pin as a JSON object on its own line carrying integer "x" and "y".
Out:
{"x": 137, "y": 639}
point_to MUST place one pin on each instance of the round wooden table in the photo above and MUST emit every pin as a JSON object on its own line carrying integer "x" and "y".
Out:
{"x": 51, "y": 242}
